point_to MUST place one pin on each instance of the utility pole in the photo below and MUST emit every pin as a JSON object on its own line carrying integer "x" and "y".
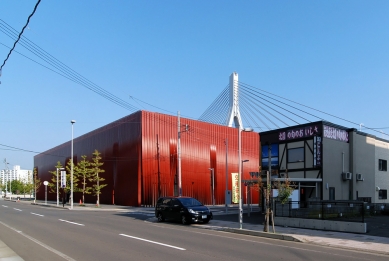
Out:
{"x": 266, "y": 228}
{"x": 226, "y": 192}
{"x": 159, "y": 172}
{"x": 179, "y": 155}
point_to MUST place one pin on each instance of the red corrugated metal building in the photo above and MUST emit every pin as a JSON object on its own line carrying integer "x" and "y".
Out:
{"x": 139, "y": 153}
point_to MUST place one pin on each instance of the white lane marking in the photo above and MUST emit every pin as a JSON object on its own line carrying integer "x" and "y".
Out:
{"x": 17, "y": 209}
{"x": 5, "y": 206}
{"x": 282, "y": 246}
{"x": 37, "y": 214}
{"x": 71, "y": 222}
{"x": 40, "y": 243}
{"x": 142, "y": 239}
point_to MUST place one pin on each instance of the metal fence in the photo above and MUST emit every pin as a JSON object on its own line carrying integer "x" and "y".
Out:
{"x": 374, "y": 209}
{"x": 350, "y": 211}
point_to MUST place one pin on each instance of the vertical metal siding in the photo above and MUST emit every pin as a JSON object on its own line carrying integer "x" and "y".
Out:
{"x": 129, "y": 151}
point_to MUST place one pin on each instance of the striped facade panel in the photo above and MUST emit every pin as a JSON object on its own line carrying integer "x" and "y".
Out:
{"x": 119, "y": 144}
{"x": 140, "y": 159}
{"x": 203, "y": 146}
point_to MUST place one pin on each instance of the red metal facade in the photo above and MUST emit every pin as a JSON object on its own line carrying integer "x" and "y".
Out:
{"x": 140, "y": 158}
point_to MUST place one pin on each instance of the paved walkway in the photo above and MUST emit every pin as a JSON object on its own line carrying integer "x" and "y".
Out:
{"x": 253, "y": 225}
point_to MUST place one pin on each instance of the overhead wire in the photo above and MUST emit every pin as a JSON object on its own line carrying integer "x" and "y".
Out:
{"x": 61, "y": 68}
{"x": 254, "y": 107}
{"x": 311, "y": 108}
{"x": 20, "y": 34}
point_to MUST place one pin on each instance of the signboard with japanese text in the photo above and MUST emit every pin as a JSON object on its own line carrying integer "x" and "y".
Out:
{"x": 63, "y": 179}
{"x": 335, "y": 134}
{"x": 317, "y": 142}
{"x": 235, "y": 187}
{"x": 298, "y": 133}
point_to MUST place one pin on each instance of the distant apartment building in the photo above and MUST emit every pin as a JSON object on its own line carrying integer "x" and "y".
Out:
{"x": 16, "y": 174}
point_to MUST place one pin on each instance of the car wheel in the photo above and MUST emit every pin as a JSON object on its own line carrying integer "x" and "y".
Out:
{"x": 160, "y": 217}
{"x": 184, "y": 220}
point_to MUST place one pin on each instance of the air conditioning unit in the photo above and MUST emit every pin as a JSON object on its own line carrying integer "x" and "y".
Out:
{"x": 359, "y": 177}
{"x": 347, "y": 175}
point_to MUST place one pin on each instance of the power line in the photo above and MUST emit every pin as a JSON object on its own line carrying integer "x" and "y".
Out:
{"x": 62, "y": 69}
{"x": 20, "y": 34}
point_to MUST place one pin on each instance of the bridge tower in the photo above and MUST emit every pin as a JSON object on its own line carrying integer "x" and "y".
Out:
{"x": 234, "y": 113}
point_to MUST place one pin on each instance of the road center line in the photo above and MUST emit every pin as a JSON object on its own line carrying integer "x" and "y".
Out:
{"x": 37, "y": 214}
{"x": 142, "y": 239}
{"x": 17, "y": 209}
{"x": 71, "y": 222}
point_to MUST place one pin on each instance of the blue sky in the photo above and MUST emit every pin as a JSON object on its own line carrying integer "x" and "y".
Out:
{"x": 178, "y": 55}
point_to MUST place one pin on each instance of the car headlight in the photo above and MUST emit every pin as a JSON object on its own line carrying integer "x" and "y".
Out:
{"x": 191, "y": 211}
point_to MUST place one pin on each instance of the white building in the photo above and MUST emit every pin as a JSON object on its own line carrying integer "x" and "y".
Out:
{"x": 16, "y": 174}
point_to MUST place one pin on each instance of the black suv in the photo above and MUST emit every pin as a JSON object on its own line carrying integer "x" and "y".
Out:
{"x": 185, "y": 209}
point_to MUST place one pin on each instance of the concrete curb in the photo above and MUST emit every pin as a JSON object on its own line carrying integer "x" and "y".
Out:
{"x": 49, "y": 206}
{"x": 242, "y": 231}
{"x": 260, "y": 234}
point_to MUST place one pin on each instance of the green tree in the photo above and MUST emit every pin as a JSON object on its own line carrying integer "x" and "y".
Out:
{"x": 53, "y": 184}
{"x": 69, "y": 178}
{"x": 29, "y": 185}
{"x": 95, "y": 178}
{"x": 37, "y": 183}
{"x": 84, "y": 172}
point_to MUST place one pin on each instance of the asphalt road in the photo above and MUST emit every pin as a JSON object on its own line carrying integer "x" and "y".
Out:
{"x": 39, "y": 233}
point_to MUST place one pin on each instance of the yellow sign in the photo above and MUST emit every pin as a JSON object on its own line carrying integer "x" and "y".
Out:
{"x": 235, "y": 187}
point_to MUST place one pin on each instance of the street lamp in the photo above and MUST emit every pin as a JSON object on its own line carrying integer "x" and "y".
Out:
{"x": 57, "y": 186}
{"x": 240, "y": 173}
{"x": 71, "y": 169}
{"x": 213, "y": 185}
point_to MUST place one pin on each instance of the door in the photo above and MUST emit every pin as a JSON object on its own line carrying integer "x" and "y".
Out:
{"x": 165, "y": 208}
{"x": 175, "y": 209}
{"x": 332, "y": 193}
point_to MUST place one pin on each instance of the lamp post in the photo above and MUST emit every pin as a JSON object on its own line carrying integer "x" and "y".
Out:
{"x": 240, "y": 173}
{"x": 57, "y": 186}
{"x": 213, "y": 185}
{"x": 246, "y": 186}
{"x": 45, "y": 183}
{"x": 71, "y": 169}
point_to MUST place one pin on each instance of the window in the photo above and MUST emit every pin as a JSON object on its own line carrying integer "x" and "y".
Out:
{"x": 296, "y": 155}
{"x": 382, "y": 165}
{"x": 382, "y": 194}
{"x": 265, "y": 156}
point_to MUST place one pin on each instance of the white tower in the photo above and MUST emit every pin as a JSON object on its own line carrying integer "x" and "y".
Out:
{"x": 234, "y": 114}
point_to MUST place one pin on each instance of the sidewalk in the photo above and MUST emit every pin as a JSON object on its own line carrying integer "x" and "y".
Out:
{"x": 253, "y": 225}
{"x": 8, "y": 254}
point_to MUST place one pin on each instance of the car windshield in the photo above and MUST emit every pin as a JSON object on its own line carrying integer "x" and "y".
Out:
{"x": 190, "y": 202}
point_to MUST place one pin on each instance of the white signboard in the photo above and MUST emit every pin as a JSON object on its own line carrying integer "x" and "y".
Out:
{"x": 235, "y": 187}
{"x": 335, "y": 134}
{"x": 63, "y": 179}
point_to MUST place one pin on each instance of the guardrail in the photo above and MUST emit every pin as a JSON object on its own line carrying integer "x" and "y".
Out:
{"x": 350, "y": 211}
